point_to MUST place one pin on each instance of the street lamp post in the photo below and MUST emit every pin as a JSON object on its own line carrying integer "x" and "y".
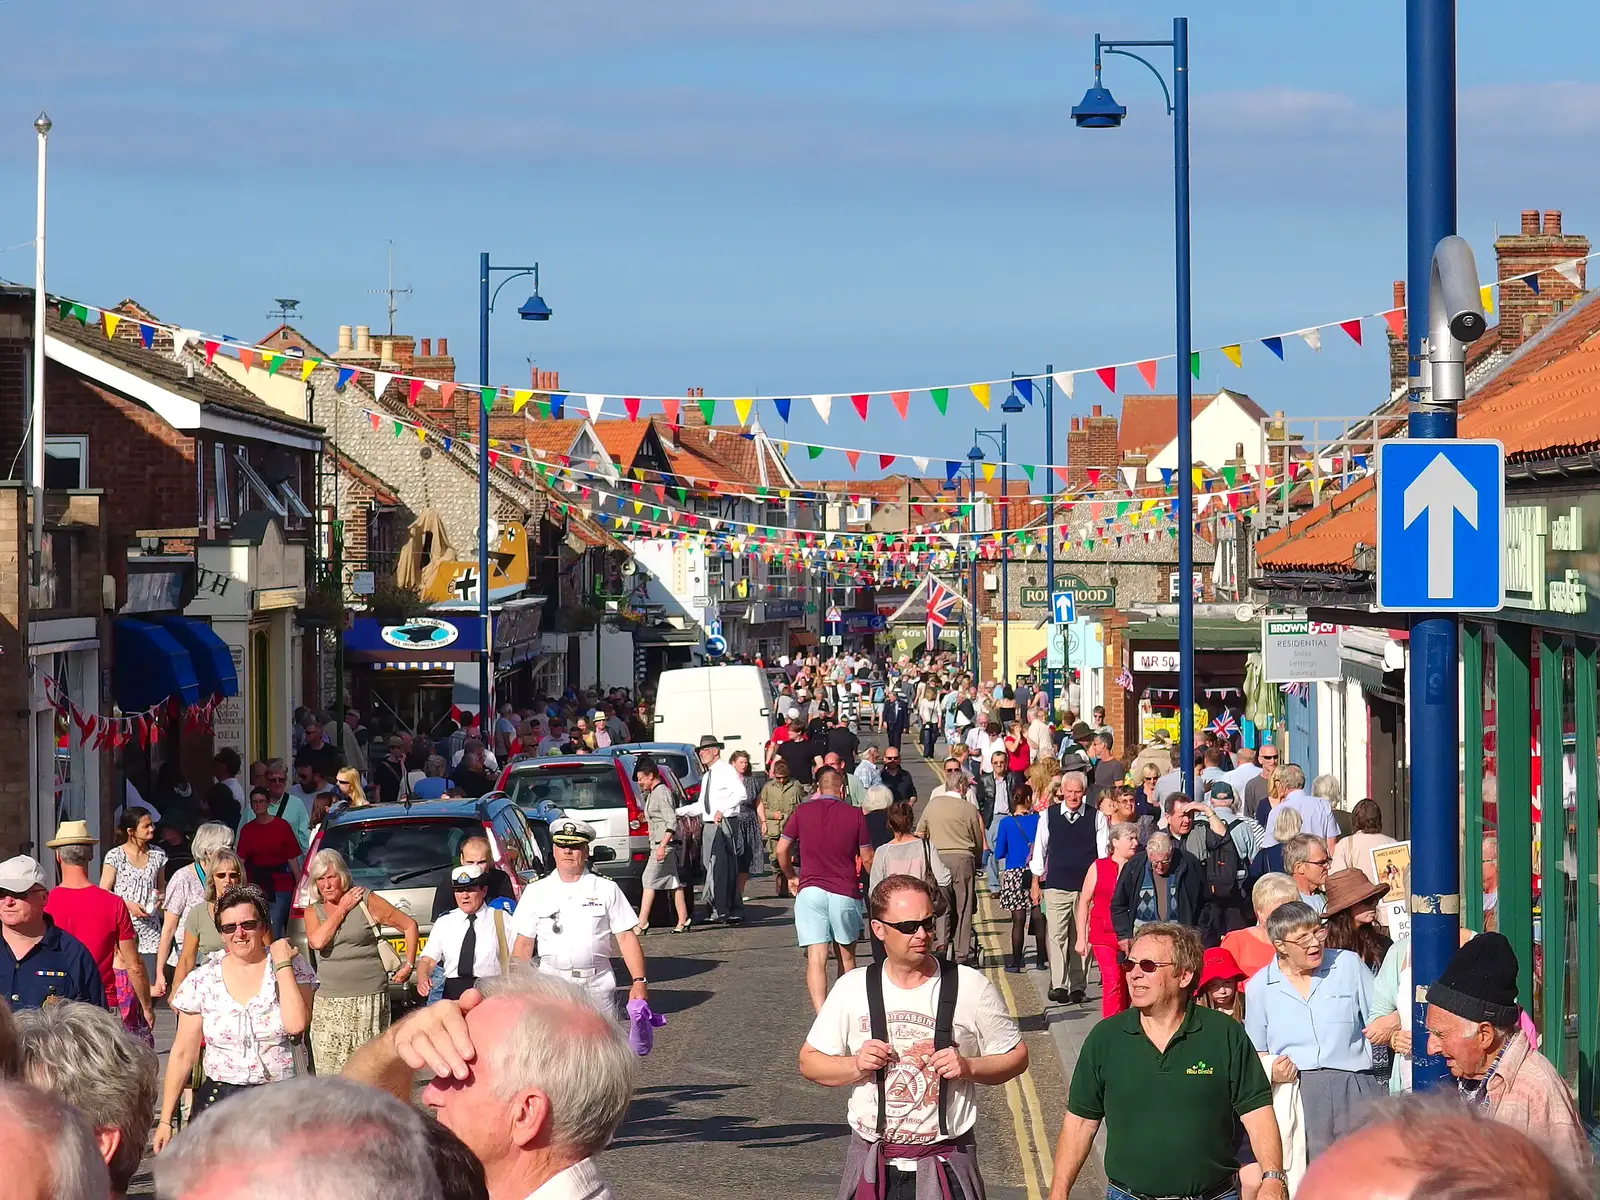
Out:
{"x": 975, "y": 659}
{"x": 997, "y": 439}
{"x": 1099, "y": 110}
{"x": 533, "y": 309}
{"x": 1049, "y": 520}
{"x": 41, "y": 126}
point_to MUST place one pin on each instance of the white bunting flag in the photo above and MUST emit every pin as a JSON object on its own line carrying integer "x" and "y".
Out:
{"x": 1569, "y": 272}
{"x": 596, "y": 405}
{"x": 1312, "y": 338}
{"x": 380, "y": 381}
{"x": 822, "y": 404}
{"x": 922, "y": 465}
{"x": 1064, "y": 382}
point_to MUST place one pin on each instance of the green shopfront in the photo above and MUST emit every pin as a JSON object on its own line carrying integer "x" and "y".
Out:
{"x": 1531, "y": 744}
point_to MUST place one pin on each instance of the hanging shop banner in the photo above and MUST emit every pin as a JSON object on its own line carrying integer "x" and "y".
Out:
{"x": 1156, "y": 661}
{"x": 1084, "y": 595}
{"x": 1296, "y": 650}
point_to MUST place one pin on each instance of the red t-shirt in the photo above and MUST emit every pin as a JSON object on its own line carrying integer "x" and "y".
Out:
{"x": 830, "y": 833}
{"x": 99, "y": 920}
{"x": 272, "y": 845}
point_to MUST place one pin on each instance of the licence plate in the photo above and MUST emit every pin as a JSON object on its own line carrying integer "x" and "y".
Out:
{"x": 399, "y": 945}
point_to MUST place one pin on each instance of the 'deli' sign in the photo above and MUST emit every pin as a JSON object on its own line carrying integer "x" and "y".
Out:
{"x": 1296, "y": 650}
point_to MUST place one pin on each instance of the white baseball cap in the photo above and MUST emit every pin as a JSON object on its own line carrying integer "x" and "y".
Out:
{"x": 21, "y": 874}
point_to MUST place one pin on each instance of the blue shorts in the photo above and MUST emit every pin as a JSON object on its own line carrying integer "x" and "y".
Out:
{"x": 822, "y": 916}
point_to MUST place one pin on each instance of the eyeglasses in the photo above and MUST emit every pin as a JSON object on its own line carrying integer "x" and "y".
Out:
{"x": 1145, "y": 966}
{"x": 232, "y": 927}
{"x": 910, "y": 927}
{"x": 1269, "y": 758}
{"x": 224, "y": 874}
{"x": 1312, "y": 940}
{"x": 1318, "y": 862}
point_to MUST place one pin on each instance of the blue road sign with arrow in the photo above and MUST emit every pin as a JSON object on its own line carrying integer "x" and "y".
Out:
{"x": 1063, "y": 608}
{"x": 1441, "y": 525}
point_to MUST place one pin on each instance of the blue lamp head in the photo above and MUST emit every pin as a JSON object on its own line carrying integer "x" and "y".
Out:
{"x": 1099, "y": 109}
{"x": 1013, "y": 404}
{"x": 975, "y": 454}
{"x": 534, "y": 309}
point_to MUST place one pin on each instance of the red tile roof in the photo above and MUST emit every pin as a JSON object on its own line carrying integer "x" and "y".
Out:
{"x": 1150, "y": 423}
{"x": 1326, "y": 536}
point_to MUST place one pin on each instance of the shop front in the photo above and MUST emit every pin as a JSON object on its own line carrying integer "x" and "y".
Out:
{"x": 249, "y": 589}
{"x": 1150, "y": 662}
{"x": 405, "y": 676}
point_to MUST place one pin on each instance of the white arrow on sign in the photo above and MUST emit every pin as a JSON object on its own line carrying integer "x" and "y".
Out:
{"x": 1441, "y": 491}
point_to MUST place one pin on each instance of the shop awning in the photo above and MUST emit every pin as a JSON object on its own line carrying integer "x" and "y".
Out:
{"x": 1209, "y": 634}
{"x": 151, "y": 667}
{"x": 208, "y": 654}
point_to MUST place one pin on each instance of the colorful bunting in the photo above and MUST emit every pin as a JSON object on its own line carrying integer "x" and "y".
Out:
{"x": 1194, "y": 363}
{"x": 413, "y": 390}
{"x": 1275, "y": 344}
{"x": 941, "y": 398}
{"x": 1353, "y": 328}
{"x": 1233, "y": 354}
{"x": 980, "y": 393}
{"x": 1108, "y": 376}
{"x": 1532, "y": 280}
{"x": 782, "y": 405}
{"x": 741, "y": 410}
{"x": 901, "y": 401}
{"x": 1395, "y": 318}
{"x": 1148, "y": 370}
{"x": 823, "y": 405}
{"x": 859, "y": 401}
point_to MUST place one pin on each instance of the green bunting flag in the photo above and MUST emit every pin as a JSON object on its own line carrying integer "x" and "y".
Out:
{"x": 813, "y": 451}
{"x": 486, "y": 398}
{"x": 941, "y": 398}
{"x": 1194, "y": 363}
{"x": 708, "y": 410}
{"x": 1229, "y": 474}
{"x": 1027, "y": 469}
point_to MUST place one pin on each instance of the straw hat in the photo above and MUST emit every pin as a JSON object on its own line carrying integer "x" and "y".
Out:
{"x": 1348, "y": 888}
{"x": 72, "y": 833}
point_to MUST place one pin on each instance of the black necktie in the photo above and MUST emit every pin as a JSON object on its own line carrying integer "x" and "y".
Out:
{"x": 467, "y": 968}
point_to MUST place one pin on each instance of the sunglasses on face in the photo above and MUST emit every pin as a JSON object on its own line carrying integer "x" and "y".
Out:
{"x": 224, "y": 874}
{"x": 232, "y": 927}
{"x": 1145, "y": 966}
{"x": 910, "y": 927}
{"x": 8, "y": 894}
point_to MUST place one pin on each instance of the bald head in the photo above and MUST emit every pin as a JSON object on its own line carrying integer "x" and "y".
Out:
{"x": 1434, "y": 1147}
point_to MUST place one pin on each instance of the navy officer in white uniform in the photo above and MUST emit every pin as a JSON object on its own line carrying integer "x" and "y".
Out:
{"x": 569, "y": 917}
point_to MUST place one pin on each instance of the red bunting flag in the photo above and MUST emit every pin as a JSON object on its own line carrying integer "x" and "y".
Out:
{"x": 1108, "y": 376}
{"x": 373, "y": 418}
{"x": 901, "y": 401}
{"x": 413, "y": 390}
{"x": 1396, "y": 318}
{"x": 446, "y": 390}
{"x": 671, "y": 408}
{"x": 494, "y": 457}
{"x": 1353, "y": 328}
{"x": 854, "y": 456}
{"x": 247, "y": 358}
{"x": 1093, "y": 474}
{"x": 1061, "y": 474}
{"x": 1148, "y": 370}
{"x": 860, "y": 402}
{"x": 884, "y": 460}
{"x": 211, "y": 351}
{"x": 631, "y": 404}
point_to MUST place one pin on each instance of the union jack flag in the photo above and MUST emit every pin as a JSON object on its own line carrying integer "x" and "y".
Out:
{"x": 1298, "y": 690}
{"x": 941, "y": 605}
{"x": 1124, "y": 679}
{"x": 1224, "y": 726}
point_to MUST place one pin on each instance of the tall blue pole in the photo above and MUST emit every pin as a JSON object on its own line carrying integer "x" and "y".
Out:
{"x": 1180, "y": 173}
{"x": 1049, "y": 519}
{"x": 1004, "y": 674}
{"x": 972, "y": 573}
{"x": 485, "y": 706}
{"x": 1432, "y": 680}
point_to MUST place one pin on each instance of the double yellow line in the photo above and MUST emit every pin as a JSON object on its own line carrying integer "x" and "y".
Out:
{"x": 1034, "y": 1137}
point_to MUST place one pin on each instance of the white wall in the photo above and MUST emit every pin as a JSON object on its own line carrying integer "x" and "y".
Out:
{"x": 675, "y": 576}
{"x": 1218, "y": 430}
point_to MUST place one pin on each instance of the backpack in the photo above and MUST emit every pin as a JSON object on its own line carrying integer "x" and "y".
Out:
{"x": 1223, "y": 869}
{"x": 944, "y": 1020}
{"x": 1074, "y": 757}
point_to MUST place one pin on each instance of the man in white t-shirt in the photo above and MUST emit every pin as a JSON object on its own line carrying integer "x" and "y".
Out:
{"x": 570, "y": 916}
{"x": 913, "y": 1105}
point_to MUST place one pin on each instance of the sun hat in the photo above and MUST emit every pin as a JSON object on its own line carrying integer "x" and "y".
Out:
{"x": 1348, "y": 888}
{"x": 1218, "y": 964}
{"x": 72, "y": 833}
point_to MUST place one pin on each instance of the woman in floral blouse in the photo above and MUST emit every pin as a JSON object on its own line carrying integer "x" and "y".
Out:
{"x": 245, "y": 1005}
{"x": 136, "y": 872}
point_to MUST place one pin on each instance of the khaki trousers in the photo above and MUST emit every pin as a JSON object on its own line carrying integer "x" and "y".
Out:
{"x": 956, "y": 928}
{"x": 1067, "y": 968}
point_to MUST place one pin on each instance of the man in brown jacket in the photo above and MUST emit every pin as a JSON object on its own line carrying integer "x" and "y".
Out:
{"x": 954, "y": 828}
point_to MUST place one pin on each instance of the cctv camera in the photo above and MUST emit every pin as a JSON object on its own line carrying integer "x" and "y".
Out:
{"x": 1453, "y": 290}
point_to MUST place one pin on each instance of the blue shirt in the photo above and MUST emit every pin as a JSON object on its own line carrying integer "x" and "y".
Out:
{"x": 430, "y": 787}
{"x": 1322, "y": 1030}
{"x": 1015, "y": 841}
{"x": 59, "y": 967}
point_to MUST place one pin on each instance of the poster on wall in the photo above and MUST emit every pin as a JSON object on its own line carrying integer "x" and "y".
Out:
{"x": 227, "y": 722}
{"x": 1297, "y": 650}
{"x": 1392, "y": 865}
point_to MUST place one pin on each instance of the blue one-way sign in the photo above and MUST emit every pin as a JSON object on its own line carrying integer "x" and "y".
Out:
{"x": 1441, "y": 525}
{"x": 1063, "y": 608}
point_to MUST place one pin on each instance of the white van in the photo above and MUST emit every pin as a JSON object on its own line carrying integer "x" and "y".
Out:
{"x": 733, "y": 702}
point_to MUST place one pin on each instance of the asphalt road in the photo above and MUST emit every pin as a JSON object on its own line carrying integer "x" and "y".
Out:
{"x": 721, "y": 1112}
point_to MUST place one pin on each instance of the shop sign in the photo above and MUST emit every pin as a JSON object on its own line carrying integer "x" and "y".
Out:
{"x": 785, "y": 610}
{"x": 1084, "y": 595}
{"x": 1550, "y": 558}
{"x": 420, "y": 633}
{"x": 864, "y": 622}
{"x": 1295, "y": 650}
{"x": 1156, "y": 661}
{"x": 227, "y": 720}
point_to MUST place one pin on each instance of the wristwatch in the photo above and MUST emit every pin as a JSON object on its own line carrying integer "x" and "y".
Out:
{"x": 640, "y": 979}
{"x": 1281, "y": 1176}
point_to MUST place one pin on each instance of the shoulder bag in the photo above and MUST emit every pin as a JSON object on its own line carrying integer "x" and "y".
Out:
{"x": 387, "y": 954}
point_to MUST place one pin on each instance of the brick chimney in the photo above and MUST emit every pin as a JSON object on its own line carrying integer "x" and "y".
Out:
{"x": 1092, "y": 443}
{"x": 544, "y": 381}
{"x": 690, "y": 414}
{"x": 1537, "y": 247}
{"x": 1399, "y": 363}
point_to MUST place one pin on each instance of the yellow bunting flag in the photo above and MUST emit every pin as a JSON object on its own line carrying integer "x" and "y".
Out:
{"x": 111, "y": 321}
{"x": 1198, "y": 475}
{"x": 988, "y": 472}
{"x": 741, "y": 409}
{"x": 519, "y": 398}
{"x": 1486, "y": 298}
{"x": 308, "y": 366}
{"x": 980, "y": 393}
{"x": 422, "y": 434}
{"x": 1232, "y": 354}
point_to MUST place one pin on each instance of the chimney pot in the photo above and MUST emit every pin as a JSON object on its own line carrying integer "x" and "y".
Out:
{"x": 427, "y": 348}
{"x": 344, "y": 340}
{"x": 444, "y": 347}
{"x": 1552, "y": 222}
{"x": 1530, "y": 221}
{"x": 387, "y": 348}
{"x": 1094, "y": 411}
{"x": 1399, "y": 293}
{"x": 364, "y": 339}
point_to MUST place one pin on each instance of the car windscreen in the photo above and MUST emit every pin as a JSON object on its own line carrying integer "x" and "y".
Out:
{"x": 399, "y": 853}
{"x": 587, "y": 786}
{"x": 678, "y": 764}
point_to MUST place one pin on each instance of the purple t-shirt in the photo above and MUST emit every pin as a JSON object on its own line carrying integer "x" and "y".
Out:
{"x": 830, "y": 833}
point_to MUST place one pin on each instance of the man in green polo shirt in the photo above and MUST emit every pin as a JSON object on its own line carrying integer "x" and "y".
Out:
{"x": 1192, "y": 1065}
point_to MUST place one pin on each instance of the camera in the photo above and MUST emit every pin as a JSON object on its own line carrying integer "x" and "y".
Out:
{"x": 1453, "y": 290}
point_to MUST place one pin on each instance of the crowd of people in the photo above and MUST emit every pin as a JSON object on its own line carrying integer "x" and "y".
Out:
{"x": 1250, "y": 992}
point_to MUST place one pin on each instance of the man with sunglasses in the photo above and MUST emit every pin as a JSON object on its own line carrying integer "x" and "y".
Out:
{"x": 1254, "y": 796}
{"x": 1193, "y": 1065}
{"x": 896, "y": 778}
{"x": 39, "y": 962}
{"x": 911, "y": 1037}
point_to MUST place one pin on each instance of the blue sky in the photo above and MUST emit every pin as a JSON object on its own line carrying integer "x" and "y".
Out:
{"x": 780, "y": 199}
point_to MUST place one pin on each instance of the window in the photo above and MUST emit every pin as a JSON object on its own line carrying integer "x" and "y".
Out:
{"x": 219, "y": 481}
{"x": 858, "y": 513}
{"x": 66, "y": 463}
{"x": 257, "y": 485}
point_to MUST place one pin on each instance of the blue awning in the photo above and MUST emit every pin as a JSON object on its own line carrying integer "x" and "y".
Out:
{"x": 151, "y": 667}
{"x": 209, "y": 654}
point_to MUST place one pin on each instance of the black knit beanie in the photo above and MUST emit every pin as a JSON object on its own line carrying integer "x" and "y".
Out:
{"x": 1480, "y": 983}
